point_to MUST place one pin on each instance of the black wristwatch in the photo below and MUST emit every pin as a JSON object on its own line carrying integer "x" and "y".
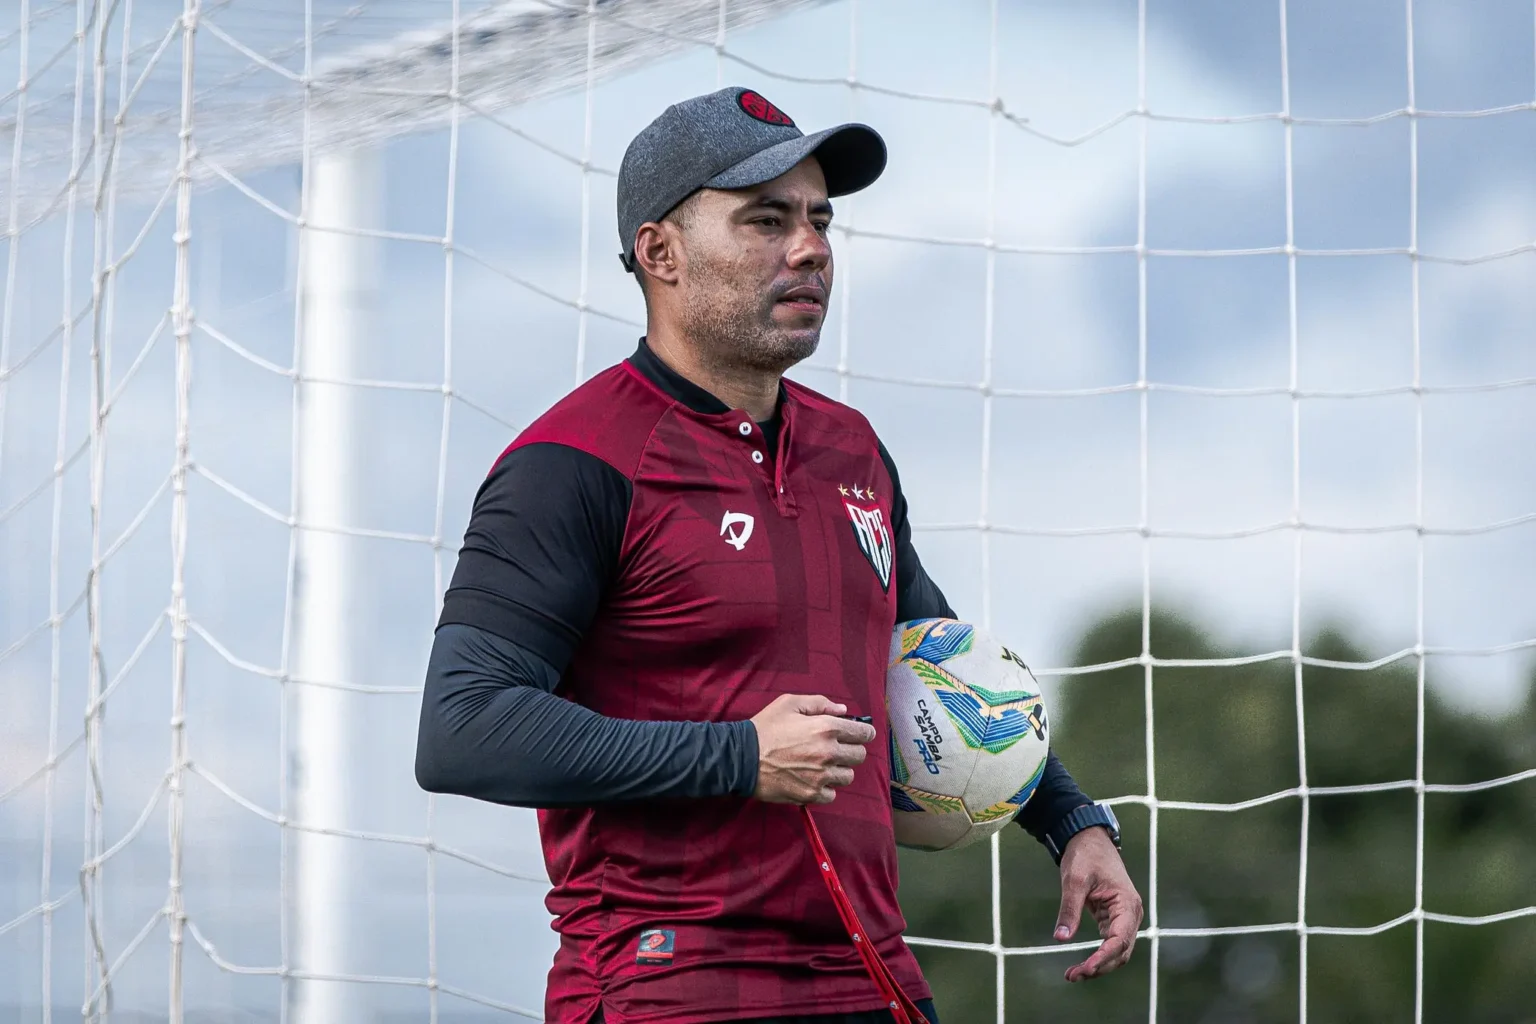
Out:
{"x": 1086, "y": 816}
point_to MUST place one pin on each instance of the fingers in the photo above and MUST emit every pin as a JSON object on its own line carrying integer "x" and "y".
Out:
{"x": 813, "y": 704}
{"x": 837, "y": 778}
{"x": 837, "y": 774}
{"x": 1119, "y": 919}
{"x": 807, "y": 748}
{"x": 1113, "y": 952}
{"x": 848, "y": 755}
{"x": 846, "y": 731}
{"x": 832, "y": 780}
{"x": 843, "y": 729}
{"x": 1074, "y": 890}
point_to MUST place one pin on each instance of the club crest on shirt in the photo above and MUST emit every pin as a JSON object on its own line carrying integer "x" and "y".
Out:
{"x": 870, "y": 531}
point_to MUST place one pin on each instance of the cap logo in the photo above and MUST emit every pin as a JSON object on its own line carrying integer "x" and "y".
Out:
{"x": 756, "y": 106}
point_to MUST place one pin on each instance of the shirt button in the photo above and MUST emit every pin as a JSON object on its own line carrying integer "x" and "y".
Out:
{"x": 757, "y": 457}
{"x": 745, "y": 429}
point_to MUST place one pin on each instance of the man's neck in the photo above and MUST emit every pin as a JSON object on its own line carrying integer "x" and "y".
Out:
{"x": 755, "y": 391}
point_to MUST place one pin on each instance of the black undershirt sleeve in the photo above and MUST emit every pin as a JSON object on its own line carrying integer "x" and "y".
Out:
{"x": 541, "y": 548}
{"x": 496, "y": 732}
{"x": 918, "y": 597}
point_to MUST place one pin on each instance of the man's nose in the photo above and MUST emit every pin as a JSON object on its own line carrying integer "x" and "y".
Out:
{"x": 810, "y": 248}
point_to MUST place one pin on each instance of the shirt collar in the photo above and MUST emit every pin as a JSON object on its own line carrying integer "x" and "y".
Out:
{"x": 676, "y": 386}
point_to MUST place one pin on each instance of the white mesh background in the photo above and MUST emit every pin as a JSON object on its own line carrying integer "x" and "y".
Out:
{"x": 155, "y": 194}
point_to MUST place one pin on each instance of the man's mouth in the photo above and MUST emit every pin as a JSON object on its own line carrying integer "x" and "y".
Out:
{"x": 805, "y": 299}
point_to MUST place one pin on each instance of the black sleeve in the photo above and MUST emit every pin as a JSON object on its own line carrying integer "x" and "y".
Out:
{"x": 918, "y": 597}
{"x": 541, "y": 548}
{"x": 1056, "y": 797}
{"x": 492, "y": 729}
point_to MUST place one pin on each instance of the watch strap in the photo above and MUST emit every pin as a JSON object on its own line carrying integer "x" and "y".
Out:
{"x": 1076, "y": 820}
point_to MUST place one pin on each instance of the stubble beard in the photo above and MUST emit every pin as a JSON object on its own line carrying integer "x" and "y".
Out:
{"x": 736, "y": 331}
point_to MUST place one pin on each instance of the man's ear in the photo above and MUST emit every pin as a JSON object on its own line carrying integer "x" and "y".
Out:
{"x": 656, "y": 251}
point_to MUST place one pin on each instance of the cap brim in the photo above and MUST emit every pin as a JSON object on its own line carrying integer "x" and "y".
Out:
{"x": 852, "y": 157}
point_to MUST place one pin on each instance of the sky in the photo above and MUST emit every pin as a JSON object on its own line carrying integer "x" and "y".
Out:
{"x": 1063, "y": 478}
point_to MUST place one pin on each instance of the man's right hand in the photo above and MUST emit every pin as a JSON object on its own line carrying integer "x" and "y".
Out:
{"x": 805, "y": 752}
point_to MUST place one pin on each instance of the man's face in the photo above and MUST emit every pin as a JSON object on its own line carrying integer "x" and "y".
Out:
{"x": 759, "y": 270}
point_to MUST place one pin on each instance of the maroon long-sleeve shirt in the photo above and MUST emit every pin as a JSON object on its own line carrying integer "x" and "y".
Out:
{"x": 712, "y": 568}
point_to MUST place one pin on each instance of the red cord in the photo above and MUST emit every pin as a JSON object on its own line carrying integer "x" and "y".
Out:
{"x": 902, "y": 1008}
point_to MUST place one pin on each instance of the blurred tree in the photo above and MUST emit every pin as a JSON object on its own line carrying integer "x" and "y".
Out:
{"x": 1229, "y": 733}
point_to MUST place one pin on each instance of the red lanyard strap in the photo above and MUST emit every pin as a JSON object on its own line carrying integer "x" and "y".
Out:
{"x": 902, "y": 1009}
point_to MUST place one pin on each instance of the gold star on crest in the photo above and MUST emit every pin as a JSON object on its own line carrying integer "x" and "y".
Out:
{"x": 842, "y": 490}
{"x": 871, "y": 492}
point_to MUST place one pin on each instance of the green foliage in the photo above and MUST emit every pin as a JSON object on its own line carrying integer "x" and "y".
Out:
{"x": 1227, "y": 734}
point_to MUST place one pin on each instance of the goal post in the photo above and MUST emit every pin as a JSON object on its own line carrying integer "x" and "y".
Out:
{"x": 338, "y": 297}
{"x": 280, "y": 279}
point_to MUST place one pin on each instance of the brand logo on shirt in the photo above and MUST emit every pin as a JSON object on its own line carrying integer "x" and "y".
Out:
{"x": 873, "y": 538}
{"x": 655, "y": 947}
{"x": 736, "y": 538}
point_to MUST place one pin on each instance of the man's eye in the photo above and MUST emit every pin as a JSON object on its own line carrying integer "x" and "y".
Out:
{"x": 771, "y": 222}
{"x": 823, "y": 226}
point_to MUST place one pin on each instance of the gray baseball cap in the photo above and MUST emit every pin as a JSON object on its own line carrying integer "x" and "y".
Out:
{"x": 733, "y": 138}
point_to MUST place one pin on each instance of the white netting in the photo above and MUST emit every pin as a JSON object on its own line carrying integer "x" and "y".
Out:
{"x": 339, "y": 74}
{"x": 243, "y": 304}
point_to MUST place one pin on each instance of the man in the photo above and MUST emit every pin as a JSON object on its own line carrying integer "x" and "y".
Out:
{"x": 664, "y": 628}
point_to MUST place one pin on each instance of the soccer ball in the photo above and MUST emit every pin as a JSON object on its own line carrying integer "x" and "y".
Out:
{"x": 968, "y": 734}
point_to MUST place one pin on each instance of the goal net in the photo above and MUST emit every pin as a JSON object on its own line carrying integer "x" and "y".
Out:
{"x": 1200, "y": 332}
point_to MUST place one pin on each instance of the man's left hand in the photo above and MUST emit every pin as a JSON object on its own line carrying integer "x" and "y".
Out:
{"x": 1094, "y": 875}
